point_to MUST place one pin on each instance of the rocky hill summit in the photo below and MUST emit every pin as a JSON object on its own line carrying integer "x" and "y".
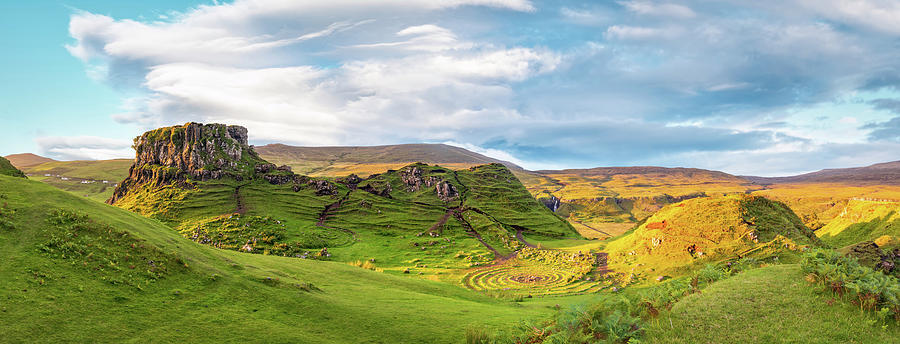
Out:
{"x": 191, "y": 152}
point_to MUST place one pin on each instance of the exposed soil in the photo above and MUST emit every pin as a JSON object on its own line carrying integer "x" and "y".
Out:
{"x": 522, "y": 239}
{"x": 240, "y": 208}
{"x": 327, "y": 212}
{"x": 602, "y": 267}
{"x": 439, "y": 226}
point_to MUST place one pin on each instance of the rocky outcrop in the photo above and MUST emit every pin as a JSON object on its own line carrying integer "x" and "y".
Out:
{"x": 184, "y": 154}
{"x": 446, "y": 191}
{"x": 191, "y": 152}
{"x": 378, "y": 189}
{"x": 323, "y": 187}
{"x": 551, "y": 203}
{"x": 412, "y": 177}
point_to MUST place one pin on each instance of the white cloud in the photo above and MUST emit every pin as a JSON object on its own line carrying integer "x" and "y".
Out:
{"x": 659, "y": 9}
{"x": 878, "y": 15}
{"x": 84, "y": 147}
{"x": 625, "y": 32}
{"x": 259, "y": 64}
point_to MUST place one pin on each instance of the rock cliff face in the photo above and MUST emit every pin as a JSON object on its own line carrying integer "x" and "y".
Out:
{"x": 184, "y": 154}
{"x": 191, "y": 152}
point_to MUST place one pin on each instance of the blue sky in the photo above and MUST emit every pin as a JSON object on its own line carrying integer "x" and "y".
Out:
{"x": 762, "y": 87}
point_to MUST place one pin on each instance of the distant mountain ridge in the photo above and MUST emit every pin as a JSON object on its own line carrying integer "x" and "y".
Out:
{"x": 366, "y": 160}
{"x": 24, "y": 160}
{"x": 887, "y": 173}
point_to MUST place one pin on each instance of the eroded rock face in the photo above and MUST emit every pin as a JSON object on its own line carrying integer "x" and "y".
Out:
{"x": 551, "y": 203}
{"x": 193, "y": 151}
{"x": 323, "y": 187}
{"x": 446, "y": 191}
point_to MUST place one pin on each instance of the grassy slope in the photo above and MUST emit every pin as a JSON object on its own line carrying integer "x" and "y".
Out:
{"x": 47, "y": 298}
{"x": 862, "y": 221}
{"x": 720, "y": 227}
{"x": 112, "y": 171}
{"x": 767, "y": 305}
{"x": 6, "y": 168}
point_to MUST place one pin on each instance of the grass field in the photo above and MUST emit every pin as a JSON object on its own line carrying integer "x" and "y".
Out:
{"x": 766, "y": 305}
{"x": 205, "y": 294}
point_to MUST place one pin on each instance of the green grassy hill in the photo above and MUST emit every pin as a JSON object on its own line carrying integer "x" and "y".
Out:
{"x": 698, "y": 231}
{"x": 77, "y": 270}
{"x": 6, "y": 168}
{"x": 766, "y": 305}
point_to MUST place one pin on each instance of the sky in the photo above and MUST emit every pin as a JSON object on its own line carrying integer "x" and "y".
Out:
{"x": 747, "y": 87}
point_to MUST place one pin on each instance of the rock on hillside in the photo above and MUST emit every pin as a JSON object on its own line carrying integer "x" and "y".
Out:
{"x": 6, "y": 168}
{"x": 191, "y": 152}
{"x": 705, "y": 230}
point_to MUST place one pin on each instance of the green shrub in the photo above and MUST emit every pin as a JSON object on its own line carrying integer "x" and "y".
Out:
{"x": 477, "y": 335}
{"x": 844, "y": 277}
{"x": 710, "y": 273}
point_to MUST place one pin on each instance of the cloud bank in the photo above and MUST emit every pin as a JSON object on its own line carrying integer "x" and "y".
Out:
{"x": 543, "y": 83}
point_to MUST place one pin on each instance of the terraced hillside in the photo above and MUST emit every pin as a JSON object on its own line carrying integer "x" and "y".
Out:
{"x": 421, "y": 219}
{"x": 689, "y": 234}
{"x": 75, "y": 270}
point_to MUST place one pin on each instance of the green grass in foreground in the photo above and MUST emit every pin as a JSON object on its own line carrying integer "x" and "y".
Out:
{"x": 767, "y": 305}
{"x": 221, "y": 296}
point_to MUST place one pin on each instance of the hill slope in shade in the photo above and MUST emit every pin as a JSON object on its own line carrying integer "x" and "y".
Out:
{"x": 428, "y": 219}
{"x": 878, "y": 174}
{"x": 862, "y": 220}
{"x": 604, "y": 202}
{"x": 366, "y": 160}
{"x": 705, "y": 230}
{"x": 24, "y": 160}
{"x": 6, "y": 168}
{"x": 77, "y": 270}
{"x": 819, "y": 204}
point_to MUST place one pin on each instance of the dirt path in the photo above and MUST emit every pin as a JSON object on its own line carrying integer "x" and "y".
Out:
{"x": 591, "y": 228}
{"x": 522, "y": 239}
{"x": 327, "y": 213}
{"x": 240, "y": 208}
{"x": 602, "y": 266}
{"x": 439, "y": 226}
{"x": 472, "y": 232}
